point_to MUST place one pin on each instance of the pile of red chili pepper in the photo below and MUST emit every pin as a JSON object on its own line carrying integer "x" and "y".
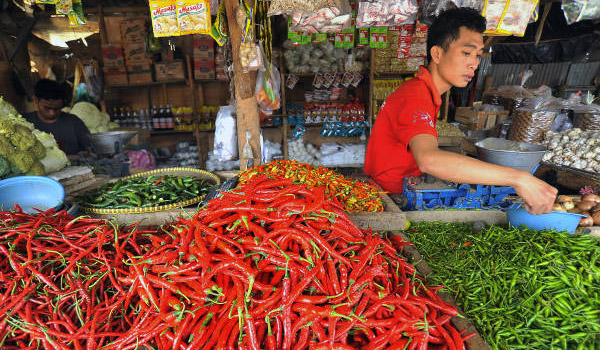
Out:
{"x": 273, "y": 267}
{"x": 58, "y": 281}
{"x": 355, "y": 195}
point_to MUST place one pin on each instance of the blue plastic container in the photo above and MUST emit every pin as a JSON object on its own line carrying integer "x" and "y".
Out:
{"x": 31, "y": 192}
{"x": 555, "y": 220}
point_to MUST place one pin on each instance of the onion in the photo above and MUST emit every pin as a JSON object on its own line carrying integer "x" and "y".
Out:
{"x": 568, "y": 205}
{"x": 563, "y": 198}
{"x": 574, "y": 211}
{"x": 591, "y": 197}
{"x": 595, "y": 208}
{"x": 586, "y": 221}
{"x": 596, "y": 218}
{"x": 585, "y": 205}
{"x": 558, "y": 207}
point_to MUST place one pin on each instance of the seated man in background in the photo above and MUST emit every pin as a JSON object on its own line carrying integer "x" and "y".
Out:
{"x": 70, "y": 132}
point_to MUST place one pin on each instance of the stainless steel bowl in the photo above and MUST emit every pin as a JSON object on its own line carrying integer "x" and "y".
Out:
{"x": 520, "y": 155}
{"x": 111, "y": 142}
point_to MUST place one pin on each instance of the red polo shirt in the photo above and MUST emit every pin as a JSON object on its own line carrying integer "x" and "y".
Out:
{"x": 409, "y": 111}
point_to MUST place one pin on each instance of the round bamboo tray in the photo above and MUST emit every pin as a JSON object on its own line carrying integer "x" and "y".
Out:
{"x": 181, "y": 171}
{"x": 587, "y": 120}
{"x": 529, "y": 125}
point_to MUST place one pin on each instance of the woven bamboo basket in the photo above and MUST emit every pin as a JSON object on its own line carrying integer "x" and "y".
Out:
{"x": 587, "y": 120}
{"x": 181, "y": 171}
{"x": 529, "y": 125}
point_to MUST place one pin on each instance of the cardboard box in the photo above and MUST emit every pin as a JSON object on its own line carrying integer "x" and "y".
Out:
{"x": 134, "y": 52}
{"x": 204, "y": 43}
{"x": 139, "y": 77}
{"x": 204, "y": 69}
{"x": 133, "y": 30}
{"x": 140, "y": 66}
{"x": 169, "y": 70}
{"x": 479, "y": 120}
{"x": 115, "y": 75}
{"x": 112, "y": 56}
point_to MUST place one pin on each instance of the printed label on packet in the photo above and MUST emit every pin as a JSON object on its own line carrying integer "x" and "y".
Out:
{"x": 328, "y": 80}
{"x": 291, "y": 81}
{"x": 193, "y": 17}
{"x": 318, "y": 81}
{"x": 356, "y": 78}
{"x": 347, "y": 79}
{"x": 164, "y": 18}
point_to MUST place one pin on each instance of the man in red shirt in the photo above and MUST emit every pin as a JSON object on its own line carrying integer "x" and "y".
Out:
{"x": 403, "y": 141}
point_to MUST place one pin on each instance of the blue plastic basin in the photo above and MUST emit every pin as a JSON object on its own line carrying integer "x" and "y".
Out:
{"x": 31, "y": 192}
{"x": 555, "y": 220}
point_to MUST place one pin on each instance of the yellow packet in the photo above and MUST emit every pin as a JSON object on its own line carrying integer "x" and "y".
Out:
{"x": 218, "y": 30}
{"x": 492, "y": 12}
{"x": 47, "y": 2}
{"x": 516, "y": 17}
{"x": 64, "y": 7}
{"x": 164, "y": 18}
{"x": 193, "y": 16}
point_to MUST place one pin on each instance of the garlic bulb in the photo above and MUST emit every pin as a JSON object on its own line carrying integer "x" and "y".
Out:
{"x": 575, "y": 148}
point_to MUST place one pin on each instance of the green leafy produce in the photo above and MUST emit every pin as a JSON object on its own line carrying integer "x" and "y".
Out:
{"x": 4, "y": 166}
{"x": 145, "y": 192}
{"x": 28, "y": 150}
{"x": 523, "y": 289}
{"x": 95, "y": 120}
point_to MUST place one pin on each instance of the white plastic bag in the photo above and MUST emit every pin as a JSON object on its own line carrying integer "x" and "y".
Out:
{"x": 225, "y": 144}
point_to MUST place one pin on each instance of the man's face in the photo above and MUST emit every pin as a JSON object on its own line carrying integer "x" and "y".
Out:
{"x": 457, "y": 65}
{"x": 49, "y": 110}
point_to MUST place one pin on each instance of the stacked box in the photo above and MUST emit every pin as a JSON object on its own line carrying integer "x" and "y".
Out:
{"x": 406, "y": 49}
{"x": 169, "y": 70}
{"x": 137, "y": 61}
{"x": 140, "y": 72}
{"x": 204, "y": 57}
{"x": 114, "y": 65}
{"x": 204, "y": 69}
{"x": 133, "y": 31}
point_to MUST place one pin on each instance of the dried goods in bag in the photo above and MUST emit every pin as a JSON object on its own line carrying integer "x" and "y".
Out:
{"x": 382, "y": 13}
{"x": 193, "y": 17}
{"x": 508, "y": 17}
{"x": 164, "y": 17}
{"x": 580, "y": 10}
{"x": 432, "y": 8}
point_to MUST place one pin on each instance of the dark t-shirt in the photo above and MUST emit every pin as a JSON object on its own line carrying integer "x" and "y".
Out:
{"x": 69, "y": 131}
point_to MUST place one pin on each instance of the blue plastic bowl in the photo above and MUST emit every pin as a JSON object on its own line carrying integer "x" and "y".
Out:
{"x": 31, "y": 192}
{"x": 555, "y": 220}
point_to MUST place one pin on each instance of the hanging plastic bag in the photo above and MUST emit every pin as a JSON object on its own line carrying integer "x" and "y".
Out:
{"x": 516, "y": 17}
{"x": 432, "y": 8}
{"x": 225, "y": 143}
{"x": 268, "y": 85}
{"x": 218, "y": 30}
{"x": 579, "y": 10}
{"x": 382, "y": 13}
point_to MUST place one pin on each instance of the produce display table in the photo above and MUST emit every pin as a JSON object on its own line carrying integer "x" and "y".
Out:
{"x": 571, "y": 178}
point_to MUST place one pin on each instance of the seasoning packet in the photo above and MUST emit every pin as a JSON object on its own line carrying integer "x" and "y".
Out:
{"x": 64, "y": 7}
{"x": 193, "y": 17}
{"x": 77, "y": 17}
{"x": 218, "y": 30}
{"x": 347, "y": 79}
{"x": 337, "y": 80}
{"x": 164, "y": 18}
{"x": 318, "y": 81}
{"x": 356, "y": 78}
{"x": 47, "y": 2}
{"x": 328, "y": 79}
{"x": 291, "y": 81}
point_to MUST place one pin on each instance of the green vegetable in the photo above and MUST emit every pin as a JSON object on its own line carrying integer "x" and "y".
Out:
{"x": 523, "y": 289}
{"x": 95, "y": 120}
{"x": 4, "y": 167}
{"x": 39, "y": 148}
{"x": 145, "y": 192}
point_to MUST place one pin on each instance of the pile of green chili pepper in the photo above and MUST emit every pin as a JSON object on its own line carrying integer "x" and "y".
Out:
{"x": 522, "y": 289}
{"x": 135, "y": 192}
{"x": 354, "y": 195}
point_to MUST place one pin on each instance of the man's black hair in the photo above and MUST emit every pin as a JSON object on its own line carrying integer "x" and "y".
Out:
{"x": 446, "y": 27}
{"x": 46, "y": 89}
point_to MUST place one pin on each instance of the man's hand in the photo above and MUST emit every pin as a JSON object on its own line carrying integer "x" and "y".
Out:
{"x": 539, "y": 196}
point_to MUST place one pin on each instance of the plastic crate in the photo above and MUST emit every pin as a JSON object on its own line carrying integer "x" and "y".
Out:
{"x": 460, "y": 196}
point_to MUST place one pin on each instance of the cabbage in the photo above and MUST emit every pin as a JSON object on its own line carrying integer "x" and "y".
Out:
{"x": 95, "y": 120}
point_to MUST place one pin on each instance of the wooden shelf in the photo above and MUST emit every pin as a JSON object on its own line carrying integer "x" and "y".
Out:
{"x": 301, "y": 75}
{"x": 153, "y": 83}
{"x": 170, "y": 132}
{"x": 211, "y": 81}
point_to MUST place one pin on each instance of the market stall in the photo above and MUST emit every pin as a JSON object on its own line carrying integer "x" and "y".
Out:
{"x": 222, "y": 203}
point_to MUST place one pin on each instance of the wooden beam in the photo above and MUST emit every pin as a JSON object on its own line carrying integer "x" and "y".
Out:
{"x": 538, "y": 33}
{"x": 22, "y": 38}
{"x": 245, "y": 83}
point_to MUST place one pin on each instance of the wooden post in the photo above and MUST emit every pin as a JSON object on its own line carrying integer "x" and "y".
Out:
{"x": 538, "y": 33}
{"x": 245, "y": 83}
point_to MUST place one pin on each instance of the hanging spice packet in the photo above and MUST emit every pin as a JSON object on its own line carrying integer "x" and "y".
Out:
{"x": 77, "y": 17}
{"x": 46, "y": 2}
{"x": 164, "y": 18}
{"x": 64, "y": 7}
{"x": 318, "y": 81}
{"x": 291, "y": 81}
{"x": 193, "y": 17}
{"x": 218, "y": 30}
{"x": 356, "y": 79}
